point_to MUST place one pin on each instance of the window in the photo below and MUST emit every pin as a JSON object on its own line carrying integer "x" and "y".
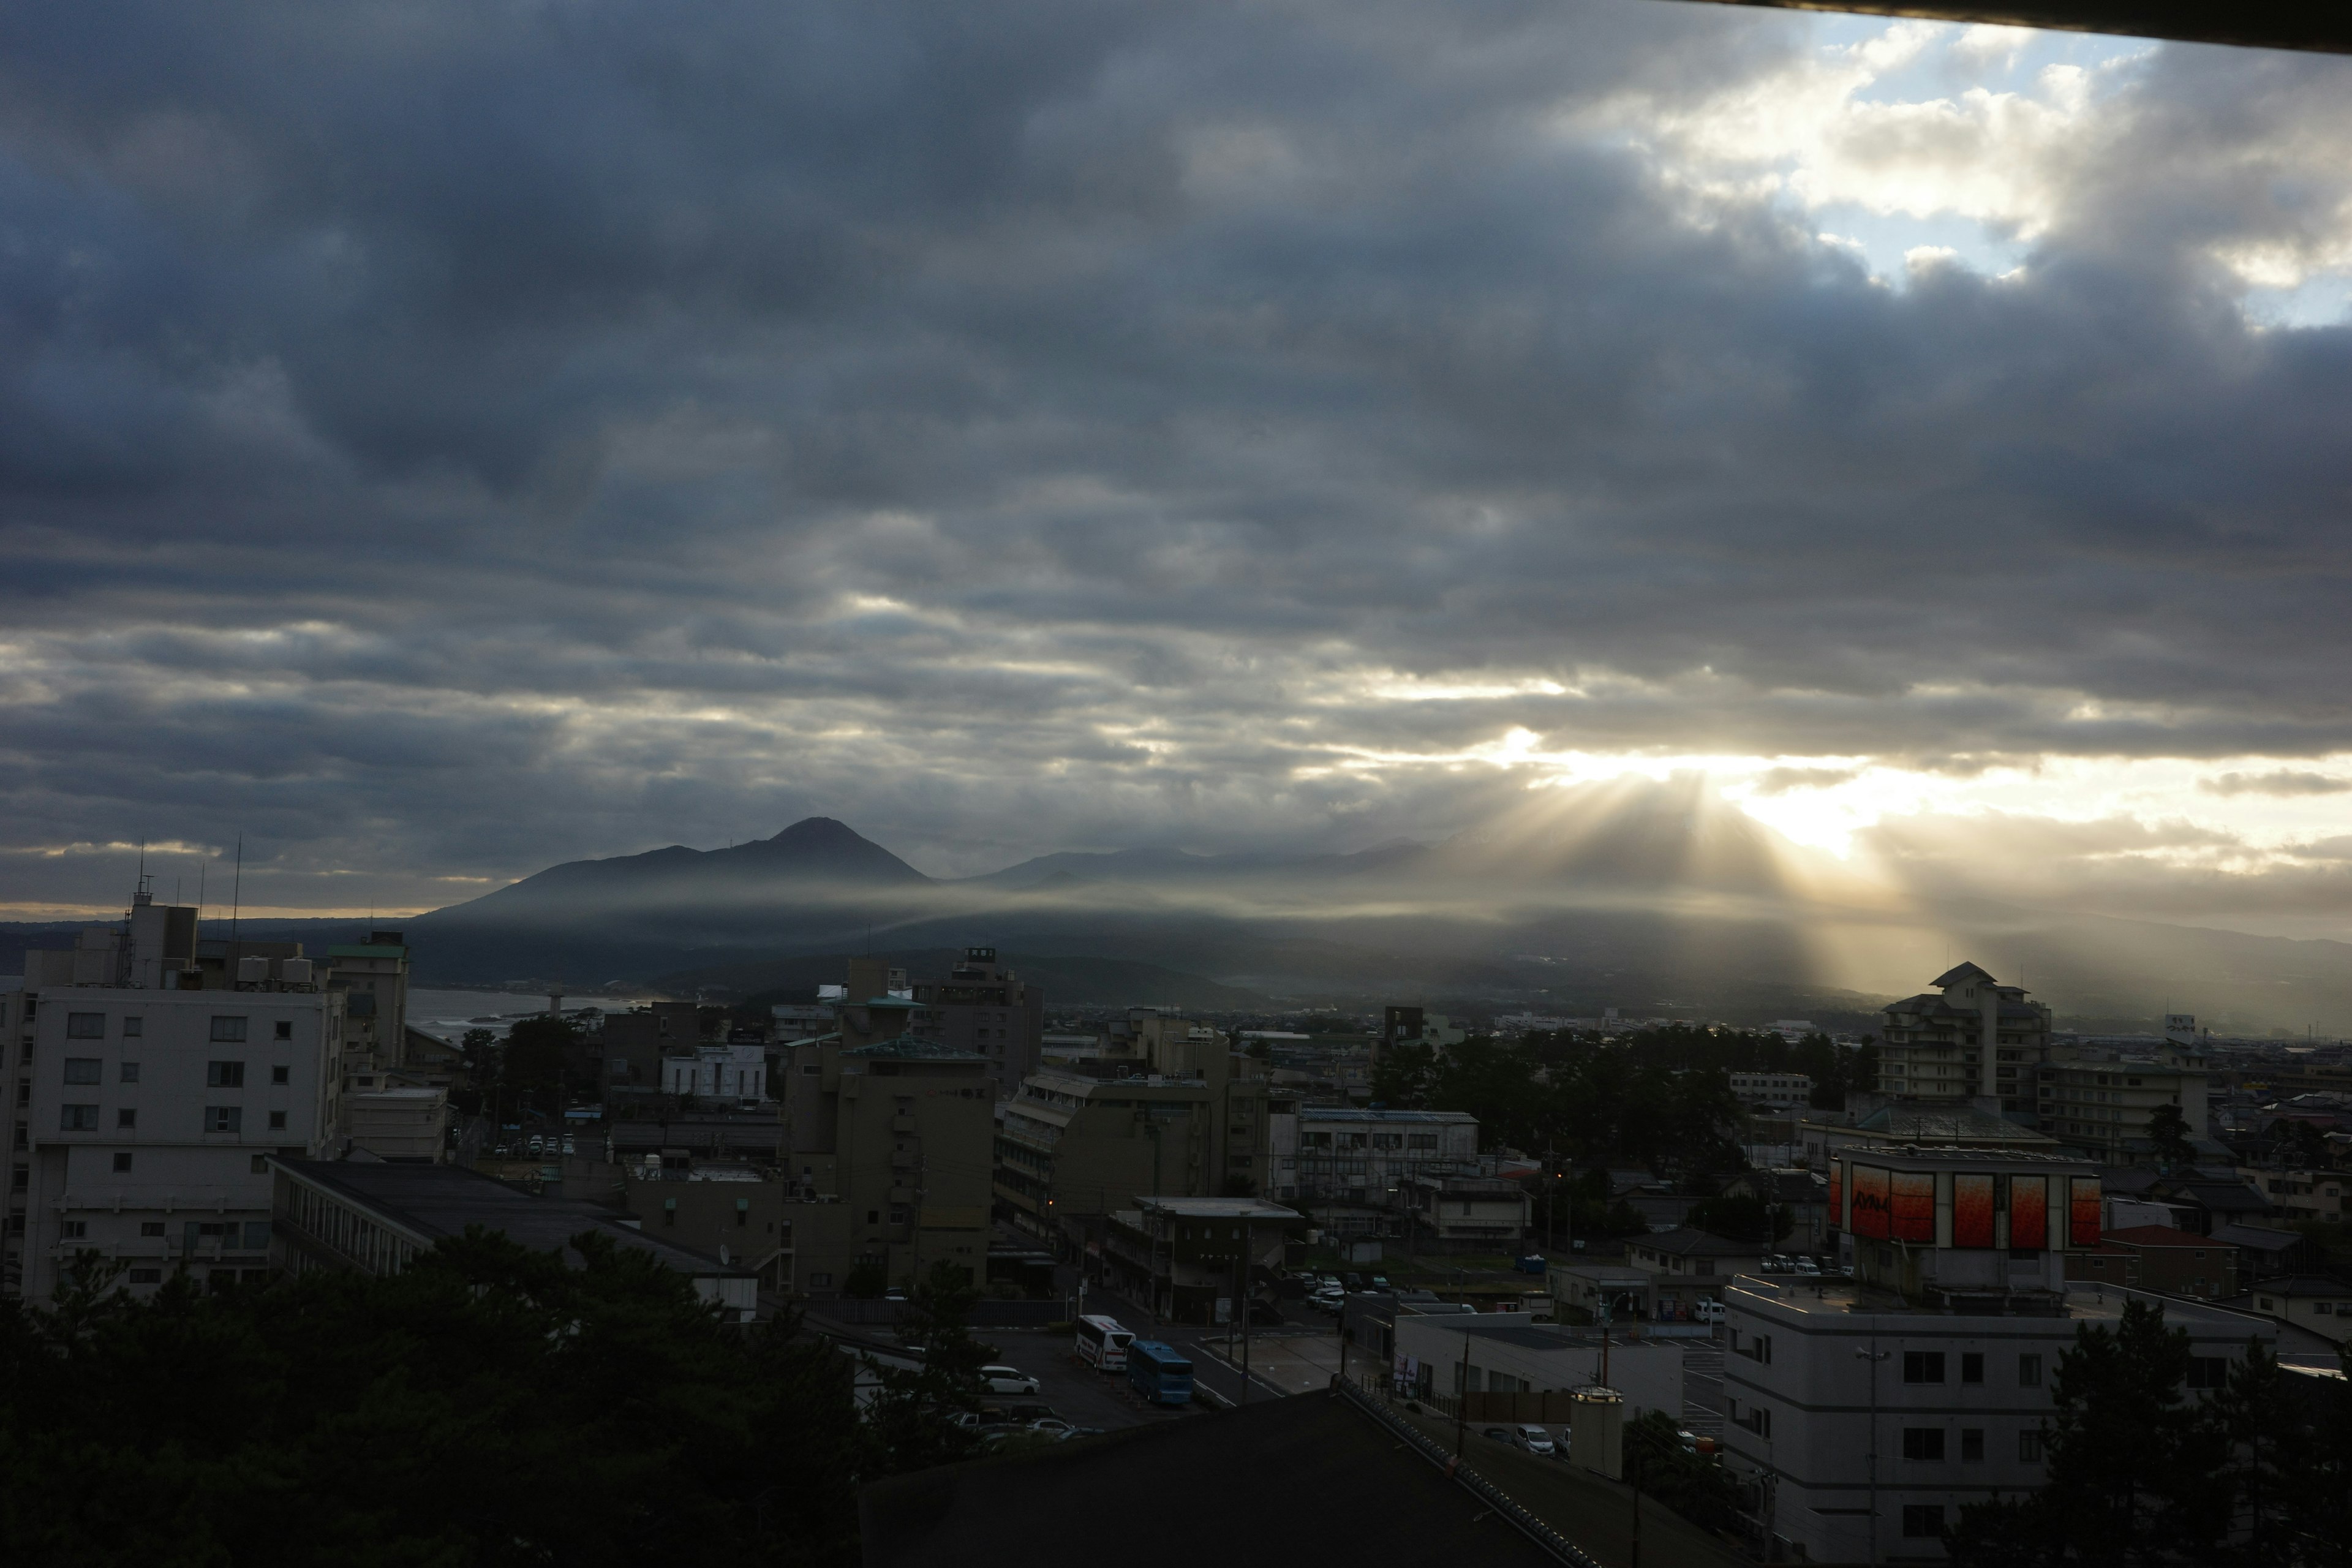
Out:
{"x": 1971, "y": 1445}
{"x": 121, "y": 1162}
{"x": 84, "y": 1069}
{"x": 133, "y": 1026}
{"x": 285, "y": 1029}
{"x": 1923, "y": 1366}
{"x": 281, "y": 1075}
{"x": 1922, "y": 1443}
{"x": 278, "y": 1121}
{"x": 1922, "y": 1520}
{"x": 130, "y": 1072}
{"x": 124, "y": 1121}
{"x": 1971, "y": 1366}
{"x": 2029, "y": 1446}
{"x": 224, "y": 1075}
{"x": 73, "y": 1229}
{"x": 146, "y": 1277}
{"x": 151, "y": 1228}
{"x": 820, "y": 1278}
{"x": 2028, "y": 1372}
{"x": 2209, "y": 1371}
{"x": 77, "y": 1119}
{"x": 257, "y": 1235}
{"x": 224, "y": 1118}
{"x": 85, "y": 1026}
{"x": 228, "y": 1031}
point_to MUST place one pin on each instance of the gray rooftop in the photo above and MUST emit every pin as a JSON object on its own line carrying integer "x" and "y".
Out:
{"x": 1215, "y": 1208}
{"x": 1363, "y": 1113}
{"x": 435, "y": 1201}
{"x": 907, "y": 1048}
{"x": 1919, "y": 1122}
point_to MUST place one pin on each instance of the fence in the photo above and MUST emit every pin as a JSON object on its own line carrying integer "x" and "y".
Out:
{"x": 1504, "y": 1505}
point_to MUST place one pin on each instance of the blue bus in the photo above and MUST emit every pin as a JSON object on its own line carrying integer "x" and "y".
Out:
{"x": 1159, "y": 1373}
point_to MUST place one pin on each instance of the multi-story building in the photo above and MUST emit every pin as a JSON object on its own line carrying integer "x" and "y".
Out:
{"x": 631, "y": 1044}
{"x": 1464, "y": 1214}
{"x": 1686, "y": 1267}
{"x": 1974, "y": 1038}
{"x": 1783, "y": 1090}
{"x": 1860, "y": 1418}
{"x": 404, "y": 1123}
{"x": 886, "y": 1153}
{"x": 2302, "y": 1194}
{"x": 2099, "y": 1099}
{"x": 1185, "y": 1256}
{"x": 1407, "y": 1025}
{"x": 737, "y": 1072}
{"x": 146, "y": 1115}
{"x": 373, "y": 978}
{"x": 985, "y": 1008}
{"x": 1348, "y": 1163}
{"x": 2160, "y": 1259}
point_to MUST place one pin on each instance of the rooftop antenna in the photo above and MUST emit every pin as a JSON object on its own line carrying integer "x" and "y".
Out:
{"x": 201, "y": 867}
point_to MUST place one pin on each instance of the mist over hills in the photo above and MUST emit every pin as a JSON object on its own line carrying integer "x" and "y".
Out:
{"x": 1649, "y": 896}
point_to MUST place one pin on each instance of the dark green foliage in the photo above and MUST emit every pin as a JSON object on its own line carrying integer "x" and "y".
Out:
{"x": 1742, "y": 1218}
{"x": 1693, "y": 1484}
{"x": 910, "y": 1417}
{"x": 2168, "y": 1131}
{"x": 2144, "y": 1475}
{"x": 534, "y": 1062}
{"x": 487, "y": 1406}
{"x": 866, "y": 1280}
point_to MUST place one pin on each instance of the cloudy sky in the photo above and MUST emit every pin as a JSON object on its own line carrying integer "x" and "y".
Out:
{"x": 441, "y": 440}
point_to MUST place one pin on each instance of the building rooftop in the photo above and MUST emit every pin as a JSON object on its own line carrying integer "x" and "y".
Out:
{"x": 907, "y": 1048}
{"x": 367, "y": 949}
{"x": 1684, "y": 1242}
{"x": 1363, "y": 1113}
{"x": 1923, "y": 1122}
{"x": 2080, "y": 1303}
{"x": 431, "y": 1202}
{"x": 2159, "y": 1235}
{"x": 1215, "y": 1208}
{"x": 1941, "y": 1156}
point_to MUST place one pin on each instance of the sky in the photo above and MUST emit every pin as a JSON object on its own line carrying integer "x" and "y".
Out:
{"x": 437, "y": 440}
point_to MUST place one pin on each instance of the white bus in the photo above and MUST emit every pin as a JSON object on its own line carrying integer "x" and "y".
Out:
{"x": 1102, "y": 1344}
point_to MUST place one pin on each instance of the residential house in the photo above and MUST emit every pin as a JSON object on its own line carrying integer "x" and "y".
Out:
{"x": 2160, "y": 1259}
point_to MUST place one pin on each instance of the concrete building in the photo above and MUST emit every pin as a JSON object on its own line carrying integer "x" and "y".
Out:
{"x": 733, "y": 1212}
{"x": 1464, "y": 1214}
{"x": 893, "y": 1139}
{"x": 1779, "y": 1091}
{"x": 630, "y": 1045}
{"x": 398, "y": 1123}
{"x": 374, "y": 979}
{"x": 1935, "y": 1123}
{"x": 147, "y": 1116}
{"x": 1687, "y": 1266}
{"x": 1498, "y": 1354}
{"x": 1974, "y": 1037}
{"x": 735, "y": 1072}
{"x": 2099, "y": 1099}
{"x": 1409, "y": 1025}
{"x": 1586, "y": 1292}
{"x": 1859, "y": 1418}
{"x": 2158, "y": 1258}
{"x": 985, "y": 1008}
{"x": 2313, "y": 1301}
{"x": 2305, "y": 1194}
{"x": 1185, "y": 1256}
{"x": 370, "y": 1218}
{"x": 1348, "y": 1163}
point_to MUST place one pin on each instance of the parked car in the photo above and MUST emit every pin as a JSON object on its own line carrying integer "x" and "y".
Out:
{"x": 964, "y": 1419}
{"x": 1076, "y": 1432}
{"x": 1053, "y": 1426}
{"x": 1353, "y": 1281}
{"x": 569, "y": 1147}
{"x": 1500, "y": 1435}
{"x": 1007, "y": 1380}
{"x": 1381, "y": 1282}
{"x": 1329, "y": 1282}
{"x": 1536, "y": 1440}
{"x": 1808, "y": 1265}
{"x": 1704, "y": 1311}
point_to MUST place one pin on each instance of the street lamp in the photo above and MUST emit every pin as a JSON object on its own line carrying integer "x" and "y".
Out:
{"x": 1873, "y": 1356}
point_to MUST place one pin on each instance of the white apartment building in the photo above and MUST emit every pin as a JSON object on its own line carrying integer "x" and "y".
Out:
{"x": 1781, "y": 1090}
{"x": 1861, "y": 1418}
{"x": 1975, "y": 1037}
{"x": 152, "y": 1118}
{"x": 718, "y": 1072}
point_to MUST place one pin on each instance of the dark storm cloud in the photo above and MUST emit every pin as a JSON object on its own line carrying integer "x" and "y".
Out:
{"x": 442, "y": 439}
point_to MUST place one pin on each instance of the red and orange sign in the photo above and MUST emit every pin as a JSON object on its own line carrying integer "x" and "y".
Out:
{"x": 1972, "y": 1210}
{"x": 1914, "y": 1201}
{"x": 2028, "y": 1211}
{"x": 2083, "y": 1213}
{"x": 1871, "y": 1217}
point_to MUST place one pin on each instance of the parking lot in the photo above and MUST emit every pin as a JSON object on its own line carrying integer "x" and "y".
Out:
{"x": 1077, "y": 1393}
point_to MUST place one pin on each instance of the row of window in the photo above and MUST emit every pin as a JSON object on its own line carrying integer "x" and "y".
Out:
{"x": 218, "y": 1073}
{"x": 1929, "y": 1366}
{"x": 218, "y": 1119}
{"x": 244, "y": 1235}
{"x": 227, "y": 1030}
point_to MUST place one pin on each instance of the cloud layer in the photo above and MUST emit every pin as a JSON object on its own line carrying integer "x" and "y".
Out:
{"x": 437, "y": 440}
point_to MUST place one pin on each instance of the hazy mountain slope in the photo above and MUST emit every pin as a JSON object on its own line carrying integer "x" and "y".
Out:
{"x": 1069, "y": 981}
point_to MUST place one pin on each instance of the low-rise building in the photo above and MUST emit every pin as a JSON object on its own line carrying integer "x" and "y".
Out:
{"x": 2314, "y": 1301}
{"x": 1348, "y": 1163}
{"x": 2301, "y": 1195}
{"x": 398, "y": 1123}
{"x": 1784, "y": 1090}
{"x": 1506, "y": 1363}
{"x": 1187, "y": 1256}
{"x": 2161, "y": 1258}
{"x": 736, "y": 1214}
{"x": 735, "y": 1071}
{"x": 631, "y": 1046}
{"x": 1464, "y": 1214}
{"x": 369, "y": 1216}
{"x": 1588, "y": 1292}
{"x": 1686, "y": 1267}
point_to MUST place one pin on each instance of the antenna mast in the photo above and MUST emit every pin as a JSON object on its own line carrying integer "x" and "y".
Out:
{"x": 236, "y": 905}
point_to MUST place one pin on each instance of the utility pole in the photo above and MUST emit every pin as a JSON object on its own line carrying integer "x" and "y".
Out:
{"x": 1462, "y": 1400}
{"x": 1634, "y": 1478}
{"x": 1240, "y": 1304}
{"x": 1874, "y": 1355}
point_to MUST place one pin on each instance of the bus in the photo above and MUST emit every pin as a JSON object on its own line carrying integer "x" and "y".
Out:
{"x": 1160, "y": 1372}
{"x": 1102, "y": 1344}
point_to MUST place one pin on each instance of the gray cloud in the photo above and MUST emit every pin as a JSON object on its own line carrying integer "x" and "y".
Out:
{"x": 436, "y": 440}
{"x": 2284, "y": 782}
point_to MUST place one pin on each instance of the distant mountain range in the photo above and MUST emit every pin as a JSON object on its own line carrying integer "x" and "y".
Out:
{"x": 1649, "y": 897}
{"x": 1645, "y": 896}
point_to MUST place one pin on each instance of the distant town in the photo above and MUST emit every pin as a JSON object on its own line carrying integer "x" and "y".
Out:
{"x": 1802, "y": 1295}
